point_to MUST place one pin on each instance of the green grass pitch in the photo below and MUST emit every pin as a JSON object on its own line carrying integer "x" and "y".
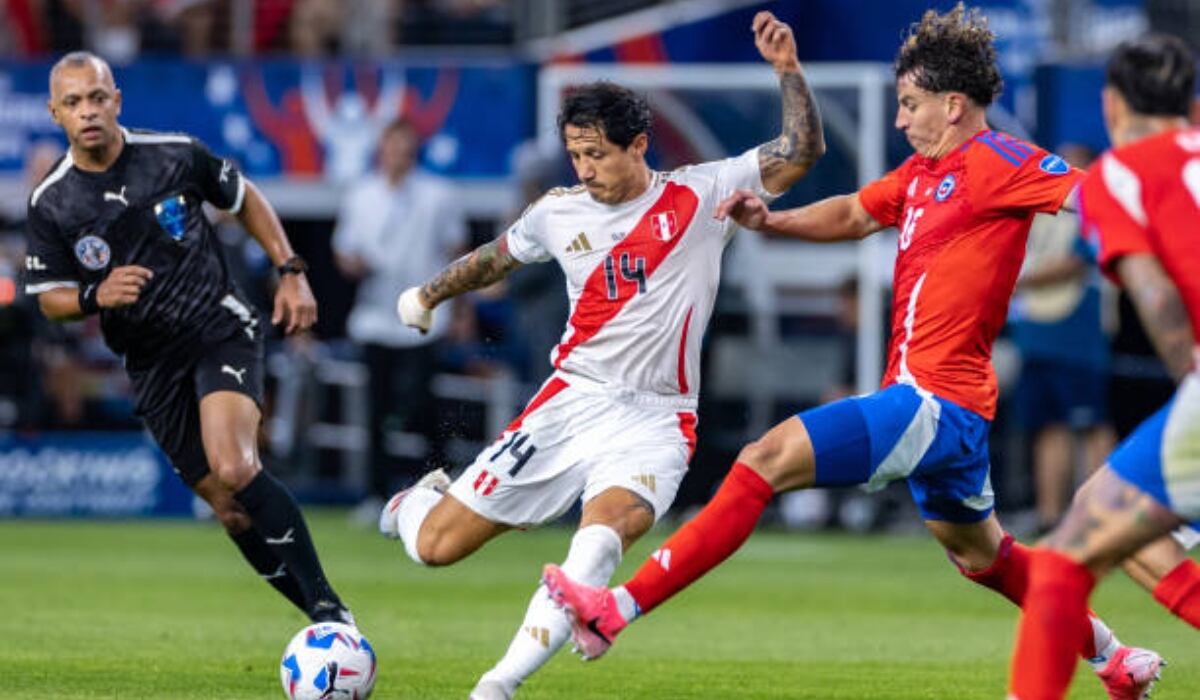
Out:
{"x": 168, "y": 610}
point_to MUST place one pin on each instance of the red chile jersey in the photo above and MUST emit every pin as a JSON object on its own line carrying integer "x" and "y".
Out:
{"x": 144, "y": 210}
{"x": 1145, "y": 198}
{"x": 963, "y": 222}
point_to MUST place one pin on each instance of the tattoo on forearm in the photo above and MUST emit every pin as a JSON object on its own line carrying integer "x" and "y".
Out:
{"x": 487, "y": 264}
{"x": 801, "y": 141}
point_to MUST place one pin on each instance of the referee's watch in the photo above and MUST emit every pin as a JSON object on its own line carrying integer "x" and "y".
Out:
{"x": 294, "y": 265}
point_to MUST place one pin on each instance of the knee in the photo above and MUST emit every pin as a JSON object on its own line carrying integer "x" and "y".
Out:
{"x": 435, "y": 548}
{"x": 233, "y": 473}
{"x": 770, "y": 457}
{"x": 620, "y": 511}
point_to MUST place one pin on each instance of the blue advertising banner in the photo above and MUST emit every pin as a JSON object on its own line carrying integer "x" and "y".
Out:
{"x": 88, "y": 474}
{"x": 286, "y": 118}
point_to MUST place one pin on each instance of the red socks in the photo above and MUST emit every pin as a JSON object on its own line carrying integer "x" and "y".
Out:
{"x": 1009, "y": 573}
{"x": 707, "y": 540}
{"x": 1009, "y": 576}
{"x": 1053, "y": 627}
{"x": 1179, "y": 592}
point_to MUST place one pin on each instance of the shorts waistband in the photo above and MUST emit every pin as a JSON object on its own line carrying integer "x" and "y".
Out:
{"x": 627, "y": 395}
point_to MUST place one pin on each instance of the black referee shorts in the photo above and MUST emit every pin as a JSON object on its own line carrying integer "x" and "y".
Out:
{"x": 168, "y": 396}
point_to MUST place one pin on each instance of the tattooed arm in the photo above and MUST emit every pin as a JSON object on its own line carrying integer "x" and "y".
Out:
{"x": 487, "y": 264}
{"x": 802, "y": 140}
{"x": 1161, "y": 310}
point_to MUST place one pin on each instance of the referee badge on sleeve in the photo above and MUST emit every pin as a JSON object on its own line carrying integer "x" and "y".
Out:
{"x": 93, "y": 252}
{"x": 172, "y": 216}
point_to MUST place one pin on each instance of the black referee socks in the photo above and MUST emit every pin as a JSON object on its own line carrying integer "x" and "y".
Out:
{"x": 277, "y": 518}
{"x": 269, "y": 567}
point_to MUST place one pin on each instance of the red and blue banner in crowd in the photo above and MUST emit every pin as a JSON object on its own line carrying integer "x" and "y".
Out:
{"x": 286, "y": 118}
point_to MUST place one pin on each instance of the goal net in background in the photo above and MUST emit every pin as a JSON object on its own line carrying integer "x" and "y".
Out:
{"x": 776, "y": 342}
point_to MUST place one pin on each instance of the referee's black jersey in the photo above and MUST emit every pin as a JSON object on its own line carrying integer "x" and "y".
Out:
{"x": 144, "y": 210}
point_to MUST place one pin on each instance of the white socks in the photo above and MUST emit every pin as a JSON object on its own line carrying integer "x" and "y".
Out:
{"x": 413, "y": 511}
{"x": 1106, "y": 643}
{"x": 594, "y": 556}
{"x": 626, "y": 605}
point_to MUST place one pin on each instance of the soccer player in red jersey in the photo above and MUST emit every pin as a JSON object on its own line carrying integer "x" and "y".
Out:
{"x": 1141, "y": 204}
{"x": 963, "y": 204}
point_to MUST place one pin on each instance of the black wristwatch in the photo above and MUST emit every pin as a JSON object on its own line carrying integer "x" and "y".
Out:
{"x": 294, "y": 265}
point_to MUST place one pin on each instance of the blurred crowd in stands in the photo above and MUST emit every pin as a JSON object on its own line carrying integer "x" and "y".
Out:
{"x": 1076, "y": 343}
{"x": 1073, "y": 343}
{"x": 120, "y": 30}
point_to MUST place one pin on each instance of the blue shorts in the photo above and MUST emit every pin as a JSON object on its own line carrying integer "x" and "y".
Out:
{"x": 1162, "y": 457}
{"x": 904, "y": 433}
{"x": 1056, "y": 393}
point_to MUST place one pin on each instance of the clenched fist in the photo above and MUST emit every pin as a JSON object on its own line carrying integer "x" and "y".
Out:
{"x": 412, "y": 310}
{"x": 123, "y": 286}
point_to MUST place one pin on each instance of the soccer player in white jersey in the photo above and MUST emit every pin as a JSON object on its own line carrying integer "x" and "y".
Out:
{"x": 615, "y": 422}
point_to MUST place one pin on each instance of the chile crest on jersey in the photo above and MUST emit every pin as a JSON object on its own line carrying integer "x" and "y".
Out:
{"x": 945, "y": 188}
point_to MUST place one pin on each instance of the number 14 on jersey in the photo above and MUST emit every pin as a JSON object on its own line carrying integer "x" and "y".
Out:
{"x": 628, "y": 270}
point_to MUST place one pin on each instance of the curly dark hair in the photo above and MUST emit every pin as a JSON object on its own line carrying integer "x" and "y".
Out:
{"x": 617, "y": 112}
{"x": 952, "y": 52}
{"x": 1156, "y": 75}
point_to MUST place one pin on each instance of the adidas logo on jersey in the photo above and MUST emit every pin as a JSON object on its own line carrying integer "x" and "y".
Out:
{"x": 648, "y": 481}
{"x": 580, "y": 244}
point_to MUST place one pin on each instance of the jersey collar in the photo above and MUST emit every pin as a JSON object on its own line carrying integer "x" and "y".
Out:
{"x": 951, "y": 159}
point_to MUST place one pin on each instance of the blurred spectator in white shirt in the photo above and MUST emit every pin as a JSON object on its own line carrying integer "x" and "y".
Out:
{"x": 396, "y": 228}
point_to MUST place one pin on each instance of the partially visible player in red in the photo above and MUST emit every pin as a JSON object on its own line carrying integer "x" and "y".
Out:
{"x": 963, "y": 204}
{"x": 1141, "y": 204}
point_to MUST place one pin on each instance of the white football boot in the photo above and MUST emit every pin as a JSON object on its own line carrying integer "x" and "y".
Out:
{"x": 388, "y": 527}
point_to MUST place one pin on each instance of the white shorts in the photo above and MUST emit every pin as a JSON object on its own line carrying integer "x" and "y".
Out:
{"x": 576, "y": 439}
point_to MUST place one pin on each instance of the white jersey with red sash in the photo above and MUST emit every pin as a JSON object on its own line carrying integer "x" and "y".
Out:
{"x": 619, "y": 410}
{"x": 641, "y": 276}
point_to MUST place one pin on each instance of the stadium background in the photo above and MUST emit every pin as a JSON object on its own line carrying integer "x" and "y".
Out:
{"x": 290, "y": 89}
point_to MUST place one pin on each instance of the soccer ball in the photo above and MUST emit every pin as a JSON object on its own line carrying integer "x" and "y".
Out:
{"x": 328, "y": 660}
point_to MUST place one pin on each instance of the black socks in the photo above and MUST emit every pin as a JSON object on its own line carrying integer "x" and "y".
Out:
{"x": 277, "y": 518}
{"x": 269, "y": 567}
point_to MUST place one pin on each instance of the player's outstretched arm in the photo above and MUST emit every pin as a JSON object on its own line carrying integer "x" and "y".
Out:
{"x": 801, "y": 142}
{"x": 840, "y": 218}
{"x": 487, "y": 264}
{"x": 295, "y": 307}
{"x": 1161, "y": 310}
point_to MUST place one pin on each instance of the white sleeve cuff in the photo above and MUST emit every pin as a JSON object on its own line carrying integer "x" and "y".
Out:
{"x": 241, "y": 195}
{"x": 32, "y": 289}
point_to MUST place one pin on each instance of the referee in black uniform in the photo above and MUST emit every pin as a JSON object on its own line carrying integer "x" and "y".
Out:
{"x": 117, "y": 228}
